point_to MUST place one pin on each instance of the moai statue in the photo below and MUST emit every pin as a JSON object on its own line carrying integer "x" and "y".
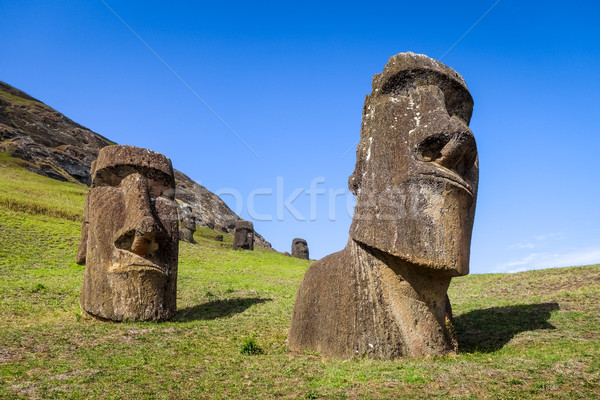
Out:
{"x": 188, "y": 224}
{"x": 300, "y": 248}
{"x": 130, "y": 237}
{"x": 415, "y": 181}
{"x": 243, "y": 237}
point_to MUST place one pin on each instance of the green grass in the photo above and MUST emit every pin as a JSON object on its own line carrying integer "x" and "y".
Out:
{"x": 11, "y": 98}
{"x": 36, "y": 194}
{"x": 526, "y": 335}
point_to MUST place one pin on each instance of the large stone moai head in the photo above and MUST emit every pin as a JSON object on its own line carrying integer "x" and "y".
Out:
{"x": 416, "y": 172}
{"x": 243, "y": 237}
{"x": 130, "y": 237}
{"x": 300, "y": 248}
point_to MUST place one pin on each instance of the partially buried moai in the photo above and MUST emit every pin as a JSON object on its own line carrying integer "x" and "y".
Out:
{"x": 188, "y": 224}
{"x": 300, "y": 248}
{"x": 130, "y": 237}
{"x": 243, "y": 236}
{"x": 415, "y": 181}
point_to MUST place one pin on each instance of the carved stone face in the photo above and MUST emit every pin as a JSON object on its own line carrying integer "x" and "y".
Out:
{"x": 300, "y": 249}
{"x": 131, "y": 238}
{"x": 417, "y": 169}
{"x": 243, "y": 237}
{"x": 187, "y": 218}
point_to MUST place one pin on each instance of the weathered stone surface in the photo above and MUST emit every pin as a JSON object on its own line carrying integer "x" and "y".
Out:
{"x": 300, "y": 248}
{"x": 130, "y": 237}
{"x": 243, "y": 237}
{"x": 50, "y": 143}
{"x": 415, "y": 182}
{"x": 188, "y": 224}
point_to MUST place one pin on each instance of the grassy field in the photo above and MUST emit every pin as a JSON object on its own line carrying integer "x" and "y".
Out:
{"x": 526, "y": 335}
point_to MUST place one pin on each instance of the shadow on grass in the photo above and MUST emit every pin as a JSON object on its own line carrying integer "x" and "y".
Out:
{"x": 490, "y": 329}
{"x": 216, "y": 309}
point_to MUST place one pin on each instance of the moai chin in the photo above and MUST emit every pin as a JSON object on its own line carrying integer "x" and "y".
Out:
{"x": 130, "y": 237}
{"x": 415, "y": 181}
{"x": 300, "y": 248}
{"x": 243, "y": 237}
{"x": 188, "y": 224}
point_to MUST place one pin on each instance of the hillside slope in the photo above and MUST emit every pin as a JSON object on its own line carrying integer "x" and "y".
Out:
{"x": 527, "y": 335}
{"x": 52, "y": 145}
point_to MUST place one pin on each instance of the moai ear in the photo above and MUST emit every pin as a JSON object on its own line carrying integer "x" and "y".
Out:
{"x": 82, "y": 249}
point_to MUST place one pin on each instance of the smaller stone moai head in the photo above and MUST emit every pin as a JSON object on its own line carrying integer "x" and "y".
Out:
{"x": 130, "y": 236}
{"x": 187, "y": 218}
{"x": 300, "y": 248}
{"x": 243, "y": 237}
{"x": 188, "y": 224}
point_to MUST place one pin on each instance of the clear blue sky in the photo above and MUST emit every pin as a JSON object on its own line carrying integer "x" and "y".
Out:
{"x": 290, "y": 80}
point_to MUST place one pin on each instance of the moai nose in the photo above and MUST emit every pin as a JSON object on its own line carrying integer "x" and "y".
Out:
{"x": 459, "y": 153}
{"x": 142, "y": 231}
{"x": 144, "y": 244}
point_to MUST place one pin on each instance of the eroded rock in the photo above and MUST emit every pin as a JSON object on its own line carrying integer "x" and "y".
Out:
{"x": 52, "y": 145}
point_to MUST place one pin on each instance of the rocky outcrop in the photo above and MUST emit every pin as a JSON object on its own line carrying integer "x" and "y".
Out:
{"x": 50, "y": 143}
{"x": 57, "y": 147}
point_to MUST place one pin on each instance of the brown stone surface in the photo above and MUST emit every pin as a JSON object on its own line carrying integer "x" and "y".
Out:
{"x": 415, "y": 181}
{"x": 130, "y": 237}
{"x": 243, "y": 237}
{"x": 300, "y": 248}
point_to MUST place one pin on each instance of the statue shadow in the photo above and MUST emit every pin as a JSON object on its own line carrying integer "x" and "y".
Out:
{"x": 490, "y": 329}
{"x": 216, "y": 309}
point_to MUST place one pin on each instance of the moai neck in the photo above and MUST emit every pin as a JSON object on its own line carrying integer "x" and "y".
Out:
{"x": 415, "y": 300}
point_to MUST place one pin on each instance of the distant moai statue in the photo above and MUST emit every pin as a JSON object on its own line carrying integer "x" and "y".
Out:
{"x": 130, "y": 237}
{"x": 415, "y": 181}
{"x": 188, "y": 224}
{"x": 300, "y": 248}
{"x": 243, "y": 237}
